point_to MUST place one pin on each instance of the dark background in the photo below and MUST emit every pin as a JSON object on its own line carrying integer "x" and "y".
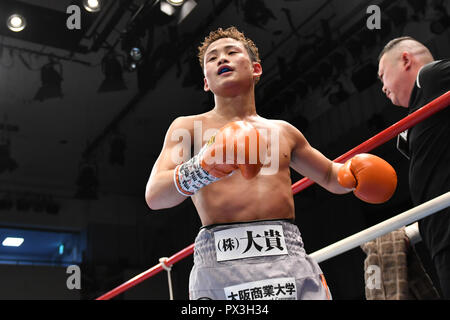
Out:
{"x": 76, "y": 152}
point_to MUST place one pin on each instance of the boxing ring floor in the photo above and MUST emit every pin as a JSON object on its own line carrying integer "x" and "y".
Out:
{"x": 403, "y": 219}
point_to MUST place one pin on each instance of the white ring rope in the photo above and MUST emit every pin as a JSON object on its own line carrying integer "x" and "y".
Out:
{"x": 389, "y": 225}
{"x": 169, "y": 278}
{"x": 413, "y": 234}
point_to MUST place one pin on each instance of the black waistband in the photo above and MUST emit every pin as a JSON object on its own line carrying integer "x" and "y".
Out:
{"x": 210, "y": 226}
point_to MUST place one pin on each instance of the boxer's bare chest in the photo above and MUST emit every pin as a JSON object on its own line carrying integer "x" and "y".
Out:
{"x": 279, "y": 144}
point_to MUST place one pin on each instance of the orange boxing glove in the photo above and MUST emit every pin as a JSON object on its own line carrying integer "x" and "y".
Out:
{"x": 237, "y": 145}
{"x": 372, "y": 178}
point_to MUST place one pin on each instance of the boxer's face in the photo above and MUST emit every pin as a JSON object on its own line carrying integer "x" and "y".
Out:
{"x": 392, "y": 73}
{"x": 228, "y": 67}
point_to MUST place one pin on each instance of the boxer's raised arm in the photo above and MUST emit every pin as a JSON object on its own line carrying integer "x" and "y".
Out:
{"x": 311, "y": 163}
{"x": 371, "y": 178}
{"x": 160, "y": 192}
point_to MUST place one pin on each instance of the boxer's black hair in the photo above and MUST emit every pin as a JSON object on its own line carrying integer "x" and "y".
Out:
{"x": 233, "y": 33}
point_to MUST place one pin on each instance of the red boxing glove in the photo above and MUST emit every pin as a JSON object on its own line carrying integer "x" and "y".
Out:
{"x": 372, "y": 178}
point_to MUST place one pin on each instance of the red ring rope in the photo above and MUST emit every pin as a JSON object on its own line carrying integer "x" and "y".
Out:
{"x": 409, "y": 121}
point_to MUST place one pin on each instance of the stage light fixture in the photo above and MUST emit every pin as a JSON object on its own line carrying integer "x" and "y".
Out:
{"x": 92, "y": 5}
{"x": 179, "y": 9}
{"x": 12, "y": 242}
{"x": 175, "y": 3}
{"x": 112, "y": 69}
{"x": 131, "y": 43}
{"x": 51, "y": 82}
{"x": 16, "y": 22}
{"x": 131, "y": 65}
{"x": 136, "y": 53}
{"x": 167, "y": 8}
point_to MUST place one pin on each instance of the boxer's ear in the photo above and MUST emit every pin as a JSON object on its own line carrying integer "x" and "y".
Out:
{"x": 205, "y": 85}
{"x": 257, "y": 69}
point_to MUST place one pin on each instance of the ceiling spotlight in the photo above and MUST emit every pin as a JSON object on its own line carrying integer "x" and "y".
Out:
{"x": 186, "y": 9}
{"x": 51, "y": 82}
{"x": 176, "y": 3}
{"x": 112, "y": 69}
{"x": 91, "y": 5}
{"x": 16, "y": 23}
{"x": 12, "y": 242}
{"x": 177, "y": 8}
{"x": 167, "y": 8}
{"x": 134, "y": 59}
{"x": 131, "y": 44}
{"x": 131, "y": 65}
{"x": 136, "y": 54}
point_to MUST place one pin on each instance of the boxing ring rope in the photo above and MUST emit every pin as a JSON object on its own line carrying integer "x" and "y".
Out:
{"x": 355, "y": 240}
{"x": 387, "y": 134}
{"x": 389, "y": 225}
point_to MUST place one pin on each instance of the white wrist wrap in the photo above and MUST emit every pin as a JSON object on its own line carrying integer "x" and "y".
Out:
{"x": 189, "y": 177}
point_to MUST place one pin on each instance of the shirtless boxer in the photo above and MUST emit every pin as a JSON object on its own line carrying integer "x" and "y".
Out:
{"x": 248, "y": 246}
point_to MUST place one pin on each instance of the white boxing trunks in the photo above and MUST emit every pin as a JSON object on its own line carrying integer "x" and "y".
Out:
{"x": 258, "y": 260}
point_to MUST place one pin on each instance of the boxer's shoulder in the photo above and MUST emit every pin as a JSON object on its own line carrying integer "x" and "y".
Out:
{"x": 291, "y": 135}
{"x": 261, "y": 122}
{"x": 285, "y": 128}
{"x": 211, "y": 120}
{"x": 188, "y": 122}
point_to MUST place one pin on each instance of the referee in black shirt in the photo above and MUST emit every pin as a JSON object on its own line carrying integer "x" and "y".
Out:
{"x": 412, "y": 78}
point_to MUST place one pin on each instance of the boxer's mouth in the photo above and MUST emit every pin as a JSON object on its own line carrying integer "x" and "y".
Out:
{"x": 224, "y": 69}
